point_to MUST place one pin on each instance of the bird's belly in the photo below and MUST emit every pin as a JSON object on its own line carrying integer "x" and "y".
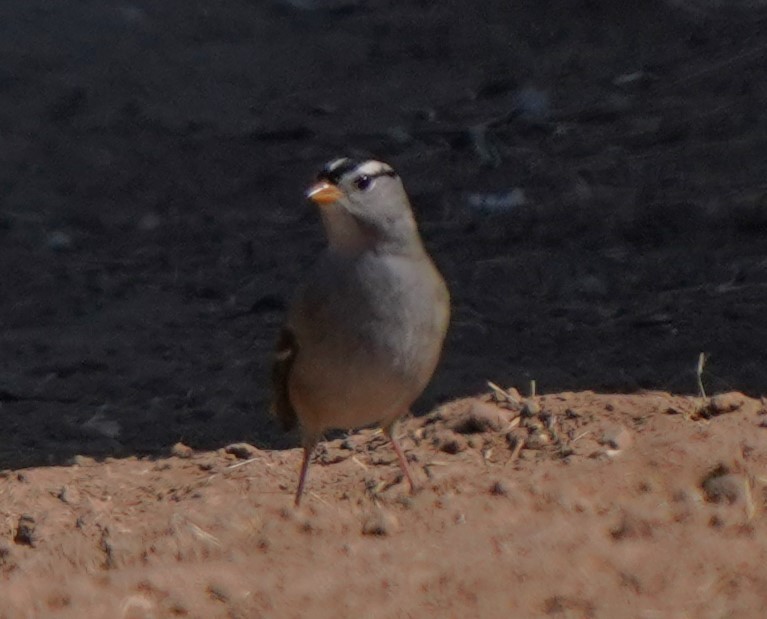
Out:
{"x": 368, "y": 347}
{"x": 332, "y": 389}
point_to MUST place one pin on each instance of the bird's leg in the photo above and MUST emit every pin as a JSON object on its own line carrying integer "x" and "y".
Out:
{"x": 309, "y": 444}
{"x": 389, "y": 431}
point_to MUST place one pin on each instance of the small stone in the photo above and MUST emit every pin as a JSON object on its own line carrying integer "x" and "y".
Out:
{"x": 331, "y": 455}
{"x": 241, "y": 451}
{"x": 726, "y": 403}
{"x": 480, "y": 417}
{"x": 181, "y": 451}
{"x": 530, "y": 408}
{"x": 499, "y": 488}
{"x": 617, "y": 437}
{"x": 449, "y": 442}
{"x": 26, "y": 531}
{"x": 355, "y": 442}
{"x": 533, "y": 425}
{"x": 379, "y": 523}
{"x": 537, "y": 441}
{"x": 721, "y": 486}
{"x": 68, "y": 495}
{"x": 729, "y": 403}
{"x": 80, "y": 460}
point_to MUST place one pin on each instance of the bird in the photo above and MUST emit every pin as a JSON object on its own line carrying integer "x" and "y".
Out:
{"x": 365, "y": 330}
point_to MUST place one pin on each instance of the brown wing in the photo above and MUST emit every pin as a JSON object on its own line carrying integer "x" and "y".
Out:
{"x": 284, "y": 355}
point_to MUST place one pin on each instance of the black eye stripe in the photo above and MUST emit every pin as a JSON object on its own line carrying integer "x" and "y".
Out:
{"x": 335, "y": 174}
{"x": 389, "y": 173}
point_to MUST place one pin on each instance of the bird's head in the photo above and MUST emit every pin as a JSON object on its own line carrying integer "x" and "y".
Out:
{"x": 364, "y": 206}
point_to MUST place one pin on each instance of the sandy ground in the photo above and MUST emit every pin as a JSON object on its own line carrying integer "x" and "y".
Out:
{"x": 565, "y": 505}
{"x": 153, "y": 159}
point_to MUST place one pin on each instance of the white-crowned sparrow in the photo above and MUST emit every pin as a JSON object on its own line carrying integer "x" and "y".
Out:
{"x": 365, "y": 331}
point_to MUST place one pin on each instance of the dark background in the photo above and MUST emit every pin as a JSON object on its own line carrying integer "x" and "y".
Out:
{"x": 153, "y": 159}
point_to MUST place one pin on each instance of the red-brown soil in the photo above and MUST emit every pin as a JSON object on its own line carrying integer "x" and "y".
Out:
{"x": 152, "y": 227}
{"x": 579, "y": 505}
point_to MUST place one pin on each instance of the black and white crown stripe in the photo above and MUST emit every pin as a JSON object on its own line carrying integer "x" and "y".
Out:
{"x": 334, "y": 171}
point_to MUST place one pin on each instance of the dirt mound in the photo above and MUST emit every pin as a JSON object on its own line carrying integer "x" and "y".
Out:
{"x": 573, "y": 504}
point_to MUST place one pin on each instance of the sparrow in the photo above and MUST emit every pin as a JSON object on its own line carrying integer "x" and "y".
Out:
{"x": 365, "y": 330}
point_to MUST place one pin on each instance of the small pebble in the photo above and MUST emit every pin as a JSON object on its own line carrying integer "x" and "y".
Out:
{"x": 181, "y": 451}
{"x": 537, "y": 441}
{"x": 726, "y": 403}
{"x": 68, "y": 495}
{"x": 480, "y": 417}
{"x": 379, "y": 523}
{"x": 449, "y": 442}
{"x": 80, "y": 460}
{"x": 726, "y": 488}
{"x": 499, "y": 488}
{"x": 617, "y": 437}
{"x": 26, "y": 531}
{"x": 242, "y": 451}
{"x": 530, "y": 409}
{"x": 729, "y": 403}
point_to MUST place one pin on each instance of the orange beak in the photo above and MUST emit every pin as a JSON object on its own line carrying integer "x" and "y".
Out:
{"x": 323, "y": 193}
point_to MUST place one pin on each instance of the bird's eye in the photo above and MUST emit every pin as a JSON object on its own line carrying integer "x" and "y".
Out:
{"x": 363, "y": 182}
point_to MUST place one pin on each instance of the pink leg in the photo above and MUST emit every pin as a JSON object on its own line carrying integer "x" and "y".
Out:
{"x": 389, "y": 430}
{"x": 308, "y": 450}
